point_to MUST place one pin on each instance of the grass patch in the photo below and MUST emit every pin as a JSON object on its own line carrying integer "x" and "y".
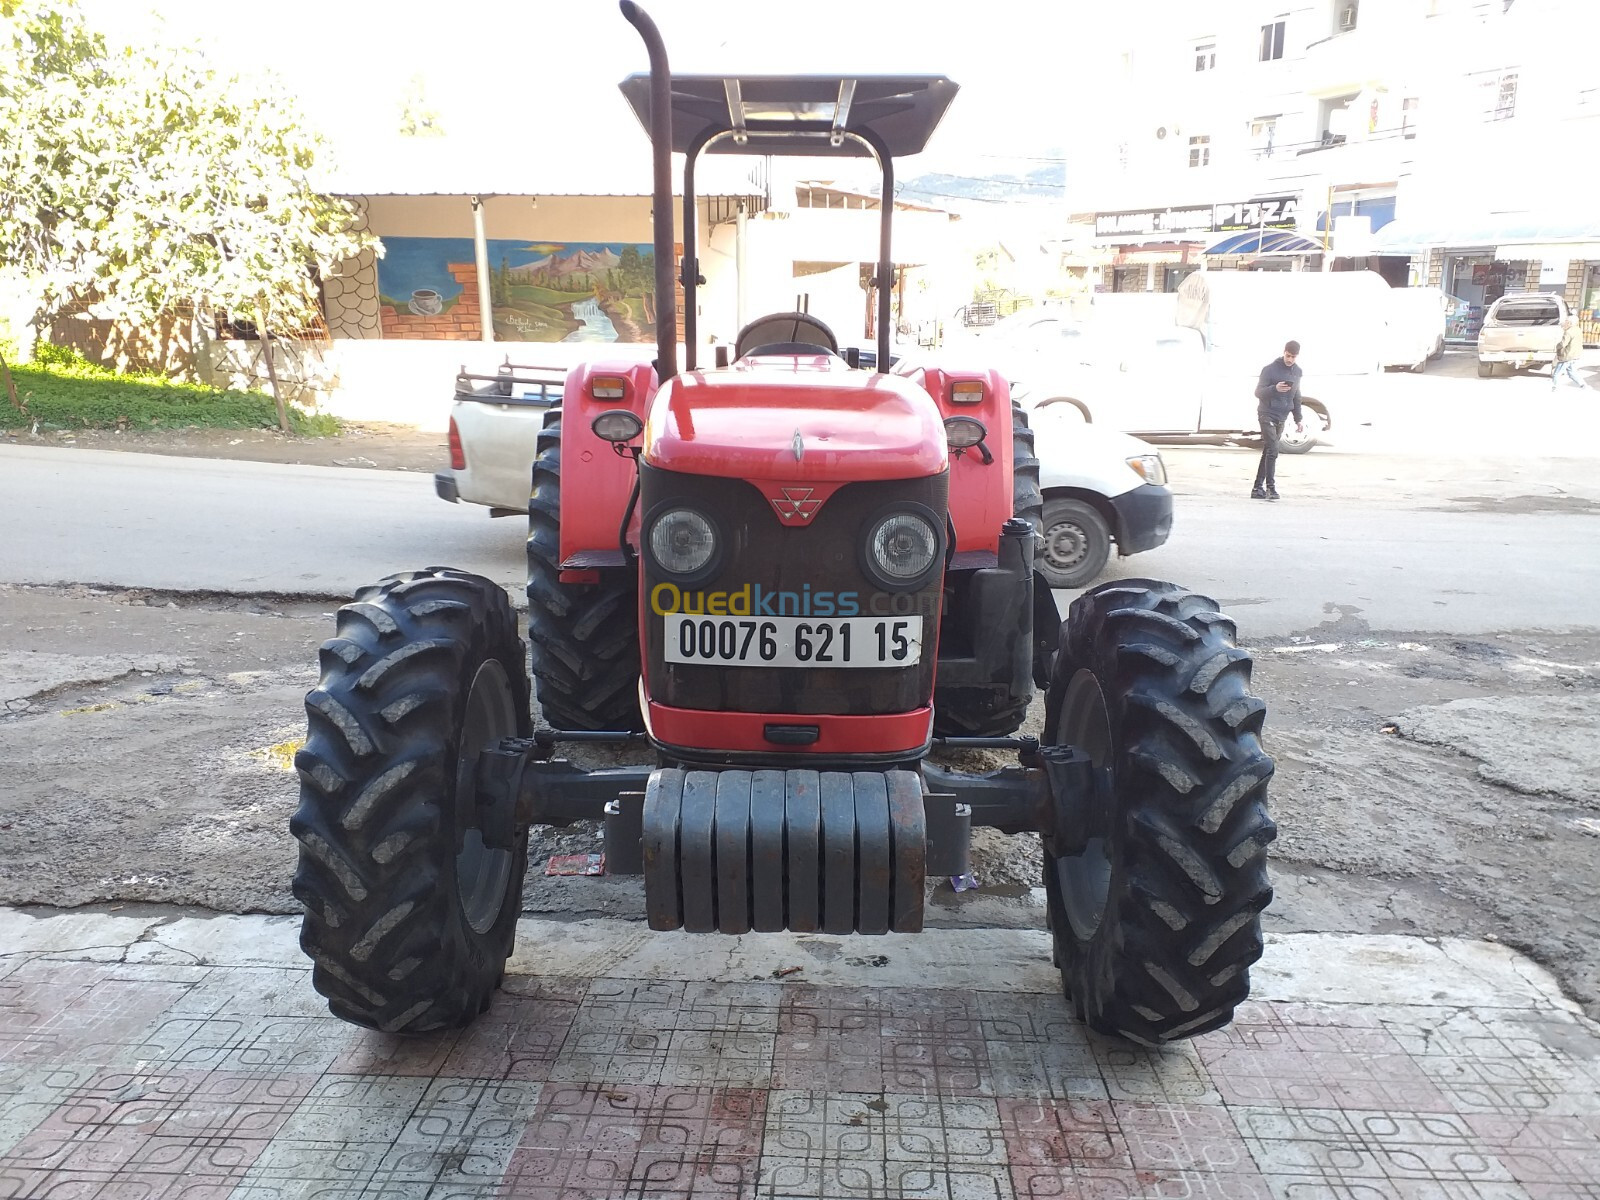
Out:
{"x": 532, "y": 293}
{"x": 65, "y": 391}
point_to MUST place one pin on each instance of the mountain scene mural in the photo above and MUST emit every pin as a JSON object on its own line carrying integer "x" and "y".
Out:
{"x": 538, "y": 291}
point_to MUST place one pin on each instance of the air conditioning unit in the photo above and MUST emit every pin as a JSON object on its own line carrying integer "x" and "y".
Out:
{"x": 1347, "y": 17}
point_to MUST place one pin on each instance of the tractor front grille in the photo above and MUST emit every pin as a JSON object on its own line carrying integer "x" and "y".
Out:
{"x": 805, "y": 562}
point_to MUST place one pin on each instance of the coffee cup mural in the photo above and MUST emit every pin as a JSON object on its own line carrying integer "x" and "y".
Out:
{"x": 425, "y": 302}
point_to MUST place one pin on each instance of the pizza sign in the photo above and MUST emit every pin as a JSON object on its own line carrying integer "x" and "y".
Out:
{"x": 1270, "y": 212}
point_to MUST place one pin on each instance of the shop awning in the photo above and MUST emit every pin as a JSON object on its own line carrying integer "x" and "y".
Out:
{"x": 1548, "y": 251}
{"x": 1415, "y": 235}
{"x": 1268, "y": 241}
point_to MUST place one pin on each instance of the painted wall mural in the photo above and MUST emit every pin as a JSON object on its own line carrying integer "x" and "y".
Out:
{"x": 539, "y": 291}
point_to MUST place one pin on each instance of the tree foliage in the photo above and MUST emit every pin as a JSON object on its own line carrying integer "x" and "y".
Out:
{"x": 417, "y": 117}
{"x": 140, "y": 181}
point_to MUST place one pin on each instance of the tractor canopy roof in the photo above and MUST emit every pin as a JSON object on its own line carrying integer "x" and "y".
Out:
{"x": 798, "y": 114}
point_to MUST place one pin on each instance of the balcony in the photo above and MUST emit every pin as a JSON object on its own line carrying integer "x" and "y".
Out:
{"x": 1370, "y": 51}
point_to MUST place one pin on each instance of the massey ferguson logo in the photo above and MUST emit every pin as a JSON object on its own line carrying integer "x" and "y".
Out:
{"x": 795, "y": 504}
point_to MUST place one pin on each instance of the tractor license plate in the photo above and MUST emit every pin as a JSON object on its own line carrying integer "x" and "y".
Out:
{"x": 794, "y": 641}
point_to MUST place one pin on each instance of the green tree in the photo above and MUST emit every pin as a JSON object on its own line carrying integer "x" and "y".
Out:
{"x": 141, "y": 182}
{"x": 630, "y": 270}
{"x": 417, "y": 119}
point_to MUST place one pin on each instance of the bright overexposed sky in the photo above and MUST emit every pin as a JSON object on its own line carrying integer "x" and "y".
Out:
{"x": 539, "y": 76}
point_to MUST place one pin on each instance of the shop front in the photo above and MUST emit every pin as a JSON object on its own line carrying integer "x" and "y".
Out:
{"x": 1475, "y": 279}
{"x": 1155, "y": 249}
{"x": 1589, "y": 304}
{"x": 1478, "y": 258}
{"x": 1148, "y": 246}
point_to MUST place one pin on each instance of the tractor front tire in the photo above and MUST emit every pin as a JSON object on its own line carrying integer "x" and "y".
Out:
{"x": 410, "y": 916}
{"x": 972, "y": 712}
{"x": 1157, "y": 922}
{"x": 583, "y": 638}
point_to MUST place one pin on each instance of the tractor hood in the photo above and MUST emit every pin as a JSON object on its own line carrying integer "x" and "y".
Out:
{"x": 795, "y": 418}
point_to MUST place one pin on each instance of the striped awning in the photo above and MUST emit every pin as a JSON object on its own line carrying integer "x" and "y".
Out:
{"x": 1266, "y": 241}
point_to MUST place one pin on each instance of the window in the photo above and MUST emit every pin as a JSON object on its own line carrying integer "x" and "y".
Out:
{"x": 1272, "y": 41}
{"x": 1499, "y": 90}
{"x": 1525, "y": 312}
{"x": 1505, "y": 105}
{"x": 1200, "y": 151}
{"x": 1346, "y": 11}
{"x": 1263, "y": 133}
{"x": 1334, "y": 117}
{"x": 1410, "y": 110}
{"x": 1205, "y": 56}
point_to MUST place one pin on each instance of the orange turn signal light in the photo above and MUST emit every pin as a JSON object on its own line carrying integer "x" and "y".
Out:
{"x": 966, "y": 392}
{"x": 608, "y": 387}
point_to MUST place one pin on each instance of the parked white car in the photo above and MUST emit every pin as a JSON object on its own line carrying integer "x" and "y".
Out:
{"x": 1103, "y": 490}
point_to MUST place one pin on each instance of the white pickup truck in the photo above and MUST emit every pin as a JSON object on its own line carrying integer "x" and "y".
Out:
{"x": 1521, "y": 330}
{"x": 1103, "y": 490}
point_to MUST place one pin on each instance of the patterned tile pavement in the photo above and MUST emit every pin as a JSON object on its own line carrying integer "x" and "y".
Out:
{"x": 196, "y": 1076}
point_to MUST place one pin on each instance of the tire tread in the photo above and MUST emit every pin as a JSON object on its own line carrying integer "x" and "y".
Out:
{"x": 1189, "y": 879}
{"x": 375, "y": 820}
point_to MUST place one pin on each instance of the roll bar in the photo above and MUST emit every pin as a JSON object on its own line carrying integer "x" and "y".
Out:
{"x": 877, "y": 116}
{"x": 661, "y": 146}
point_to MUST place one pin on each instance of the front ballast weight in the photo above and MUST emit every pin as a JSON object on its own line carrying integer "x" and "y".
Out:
{"x": 735, "y": 851}
{"x": 421, "y": 778}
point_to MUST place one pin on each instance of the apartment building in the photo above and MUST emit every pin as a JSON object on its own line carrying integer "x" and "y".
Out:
{"x": 1422, "y": 138}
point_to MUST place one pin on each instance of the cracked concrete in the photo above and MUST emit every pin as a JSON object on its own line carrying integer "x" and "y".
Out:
{"x": 1525, "y": 743}
{"x": 175, "y": 788}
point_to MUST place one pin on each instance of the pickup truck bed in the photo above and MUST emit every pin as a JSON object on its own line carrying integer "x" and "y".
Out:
{"x": 494, "y": 428}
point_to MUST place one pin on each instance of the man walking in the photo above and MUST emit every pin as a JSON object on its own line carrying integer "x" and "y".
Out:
{"x": 1568, "y": 351}
{"x": 1277, "y": 395}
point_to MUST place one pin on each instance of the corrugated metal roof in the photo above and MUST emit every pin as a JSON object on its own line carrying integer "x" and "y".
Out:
{"x": 441, "y": 167}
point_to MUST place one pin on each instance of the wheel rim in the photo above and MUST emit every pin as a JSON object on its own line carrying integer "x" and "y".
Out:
{"x": 1314, "y": 428}
{"x": 1066, "y": 545}
{"x": 482, "y": 873}
{"x": 1084, "y": 880}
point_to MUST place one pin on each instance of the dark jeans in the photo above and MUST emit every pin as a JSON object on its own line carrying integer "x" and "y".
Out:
{"x": 1267, "y": 472}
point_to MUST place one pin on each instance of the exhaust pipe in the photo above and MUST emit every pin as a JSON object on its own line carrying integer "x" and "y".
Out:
{"x": 661, "y": 154}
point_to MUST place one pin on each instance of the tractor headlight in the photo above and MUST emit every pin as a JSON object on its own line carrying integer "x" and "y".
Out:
{"x": 683, "y": 543}
{"x": 1149, "y": 467}
{"x": 902, "y": 549}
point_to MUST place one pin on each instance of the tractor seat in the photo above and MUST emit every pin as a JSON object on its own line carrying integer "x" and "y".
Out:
{"x": 785, "y": 333}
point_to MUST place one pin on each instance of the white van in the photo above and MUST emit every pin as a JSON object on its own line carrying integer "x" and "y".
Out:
{"x": 1416, "y": 327}
{"x": 1340, "y": 319}
{"x": 1198, "y": 375}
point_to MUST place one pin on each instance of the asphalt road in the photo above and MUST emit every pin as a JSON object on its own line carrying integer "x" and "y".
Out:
{"x": 1381, "y": 541}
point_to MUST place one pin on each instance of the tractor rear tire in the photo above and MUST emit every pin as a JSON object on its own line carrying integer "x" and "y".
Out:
{"x": 971, "y": 712}
{"x": 1027, "y": 500}
{"x": 410, "y": 917}
{"x": 583, "y": 638}
{"x": 1157, "y": 922}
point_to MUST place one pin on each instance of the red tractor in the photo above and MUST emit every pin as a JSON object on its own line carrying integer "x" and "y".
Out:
{"x": 793, "y": 578}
